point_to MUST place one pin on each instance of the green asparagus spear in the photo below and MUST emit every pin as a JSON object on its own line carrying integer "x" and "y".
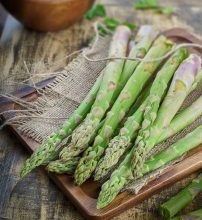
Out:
{"x": 119, "y": 178}
{"x": 128, "y": 95}
{"x": 48, "y": 150}
{"x": 123, "y": 174}
{"x": 182, "y": 120}
{"x": 144, "y": 39}
{"x": 171, "y": 207}
{"x": 195, "y": 215}
{"x": 120, "y": 143}
{"x": 142, "y": 97}
{"x": 181, "y": 86}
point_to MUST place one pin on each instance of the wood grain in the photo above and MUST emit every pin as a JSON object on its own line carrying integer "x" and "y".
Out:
{"x": 36, "y": 197}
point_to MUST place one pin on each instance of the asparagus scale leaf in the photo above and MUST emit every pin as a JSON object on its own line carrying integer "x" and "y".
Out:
{"x": 174, "y": 205}
{"x": 120, "y": 143}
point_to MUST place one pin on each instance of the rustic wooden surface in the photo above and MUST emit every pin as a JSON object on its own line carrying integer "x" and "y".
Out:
{"x": 36, "y": 197}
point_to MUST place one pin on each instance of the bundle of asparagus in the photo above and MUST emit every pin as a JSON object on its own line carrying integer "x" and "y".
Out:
{"x": 120, "y": 143}
{"x": 104, "y": 88}
{"x": 128, "y": 95}
{"x": 143, "y": 42}
{"x": 125, "y": 115}
{"x": 126, "y": 170}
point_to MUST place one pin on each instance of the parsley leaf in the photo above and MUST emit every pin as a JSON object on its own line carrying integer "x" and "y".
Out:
{"x": 112, "y": 23}
{"x": 146, "y": 4}
{"x": 97, "y": 10}
{"x": 153, "y": 4}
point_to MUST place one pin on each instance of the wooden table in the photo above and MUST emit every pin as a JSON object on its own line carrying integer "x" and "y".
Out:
{"x": 36, "y": 197}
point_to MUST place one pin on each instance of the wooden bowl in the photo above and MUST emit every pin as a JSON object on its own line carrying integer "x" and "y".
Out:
{"x": 47, "y": 15}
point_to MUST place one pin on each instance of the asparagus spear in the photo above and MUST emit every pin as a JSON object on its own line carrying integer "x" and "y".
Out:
{"x": 171, "y": 207}
{"x": 123, "y": 174}
{"x": 195, "y": 215}
{"x": 181, "y": 86}
{"x": 182, "y": 120}
{"x": 144, "y": 39}
{"x": 141, "y": 98}
{"x": 120, "y": 143}
{"x": 128, "y": 95}
{"x": 48, "y": 150}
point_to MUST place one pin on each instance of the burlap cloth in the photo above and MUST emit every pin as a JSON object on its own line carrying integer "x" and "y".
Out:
{"x": 60, "y": 98}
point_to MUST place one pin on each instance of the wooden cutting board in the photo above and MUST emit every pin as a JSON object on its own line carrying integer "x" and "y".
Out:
{"x": 84, "y": 197}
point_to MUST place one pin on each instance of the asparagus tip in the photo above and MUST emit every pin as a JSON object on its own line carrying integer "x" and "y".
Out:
{"x": 84, "y": 169}
{"x": 106, "y": 197}
{"x": 60, "y": 166}
{"x": 26, "y": 169}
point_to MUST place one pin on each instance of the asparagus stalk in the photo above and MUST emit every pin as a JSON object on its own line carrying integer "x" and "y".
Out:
{"x": 128, "y": 95}
{"x": 123, "y": 174}
{"x": 195, "y": 215}
{"x": 120, "y": 143}
{"x": 182, "y": 199}
{"x": 48, "y": 150}
{"x": 181, "y": 86}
